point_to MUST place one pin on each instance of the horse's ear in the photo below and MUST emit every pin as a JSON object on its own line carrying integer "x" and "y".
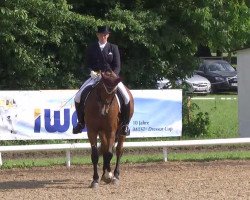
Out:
{"x": 118, "y": 80}
{"x": 110, "y": 71}
{"x": 110, "y": 78}
{"x": 109, "y": 74}
{"x": 105, "y": 75}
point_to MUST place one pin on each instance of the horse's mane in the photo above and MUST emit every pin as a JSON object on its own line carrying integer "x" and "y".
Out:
{"x": 110, "y": 79}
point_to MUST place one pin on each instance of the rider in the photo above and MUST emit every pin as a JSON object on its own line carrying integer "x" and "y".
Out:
{"x": 100, "y": 56}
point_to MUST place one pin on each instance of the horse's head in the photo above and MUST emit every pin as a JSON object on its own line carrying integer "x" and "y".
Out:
{"x": 110, "y": 80}
{"x": 107, "y": 90}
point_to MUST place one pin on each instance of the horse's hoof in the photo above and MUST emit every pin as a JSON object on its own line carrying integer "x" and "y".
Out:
{"x": 115, "y": 181}
{"x": 106, "y": 180}
{"x": 94, "y": 185}
{"x": 107, "y": 177}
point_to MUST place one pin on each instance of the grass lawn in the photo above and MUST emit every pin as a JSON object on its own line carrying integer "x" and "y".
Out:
{"x": 223, "y": 114}
{"x": 139, "y": 158}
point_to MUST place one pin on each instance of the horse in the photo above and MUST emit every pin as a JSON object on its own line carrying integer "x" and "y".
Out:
{"x": 103, "y": 119}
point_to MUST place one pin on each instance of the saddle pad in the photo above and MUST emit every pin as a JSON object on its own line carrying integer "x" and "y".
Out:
{"x": 119, "y": 103}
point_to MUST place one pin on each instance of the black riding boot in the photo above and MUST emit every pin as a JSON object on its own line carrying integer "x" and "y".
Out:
{"x": 125, "y": 120}
{"x": 80, "y": 116}
{"x": 80, "y": 110}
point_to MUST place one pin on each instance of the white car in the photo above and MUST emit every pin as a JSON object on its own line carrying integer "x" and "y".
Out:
{"x": 198, "y": 84}
{"x": 194, "y": 84}
{"x": 164, "y": 84}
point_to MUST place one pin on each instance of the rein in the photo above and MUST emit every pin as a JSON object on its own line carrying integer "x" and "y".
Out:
{"x": 106, "y": 89}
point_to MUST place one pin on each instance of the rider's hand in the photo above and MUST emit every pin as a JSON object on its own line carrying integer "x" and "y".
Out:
{"x": 94, "y": 74}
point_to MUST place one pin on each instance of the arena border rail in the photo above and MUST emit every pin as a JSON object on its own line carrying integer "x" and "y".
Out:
{"x": 149, "y": 144}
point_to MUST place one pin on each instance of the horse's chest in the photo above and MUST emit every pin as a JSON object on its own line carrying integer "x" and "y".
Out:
{"x": 103, "y": 111}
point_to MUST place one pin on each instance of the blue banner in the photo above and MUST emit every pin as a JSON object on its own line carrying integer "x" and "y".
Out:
{"x": 50, "y": 114}
{"x": 158, "y": 113}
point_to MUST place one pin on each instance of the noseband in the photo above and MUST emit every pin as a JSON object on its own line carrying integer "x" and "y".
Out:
{"x": 112, "y": 89}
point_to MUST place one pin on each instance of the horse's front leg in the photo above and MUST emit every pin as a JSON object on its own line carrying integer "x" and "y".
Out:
{"x": 95, "y": 158}
{"x": 119, "y": 152}
{"x": 107, "y": 174}
{"x": 107, "y": 144}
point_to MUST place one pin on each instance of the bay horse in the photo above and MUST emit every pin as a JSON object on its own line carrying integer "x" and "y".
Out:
{"x": 103, "y": 119}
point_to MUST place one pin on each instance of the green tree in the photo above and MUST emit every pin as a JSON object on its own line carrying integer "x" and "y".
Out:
{"x": 42, "y": 42}
{"x": 161, "y": 38}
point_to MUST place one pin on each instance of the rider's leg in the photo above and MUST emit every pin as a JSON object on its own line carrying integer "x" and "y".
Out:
{"x": 80, "y": 110}
{"x": 79, "y": 104}
{"x": 125, "y": 109}
{"x": 80, "y": 123}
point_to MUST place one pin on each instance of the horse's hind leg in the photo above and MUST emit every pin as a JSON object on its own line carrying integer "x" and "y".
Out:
{"x": 119, "y": 152}
{"x": 94, "y": 158}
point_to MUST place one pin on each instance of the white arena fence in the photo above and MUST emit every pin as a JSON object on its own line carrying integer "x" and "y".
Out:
{"x": 149, "y": 144}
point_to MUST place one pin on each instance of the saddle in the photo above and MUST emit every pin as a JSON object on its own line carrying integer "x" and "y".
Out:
{"x": 110, "y": 80}
{"x": 118, "y": 96}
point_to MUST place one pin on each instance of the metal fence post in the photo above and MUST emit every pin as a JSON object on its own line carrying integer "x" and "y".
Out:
{"x": 68, "y": 158}
{"x": 165, "y": 154}
{"x": 1, "y": 161}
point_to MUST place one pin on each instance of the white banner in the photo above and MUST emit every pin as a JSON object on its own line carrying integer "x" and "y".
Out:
{"x": 50, "y": 114}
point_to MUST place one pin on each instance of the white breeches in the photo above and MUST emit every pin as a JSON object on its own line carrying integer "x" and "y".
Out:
{"x": 124, "y": 93}
{"x": 92, "y": 81}
{"x": 88, "y": 82}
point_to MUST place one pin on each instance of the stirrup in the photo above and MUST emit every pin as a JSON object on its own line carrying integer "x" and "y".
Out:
{"x": 125, "y": 130}
{"x": 78, "y": 128}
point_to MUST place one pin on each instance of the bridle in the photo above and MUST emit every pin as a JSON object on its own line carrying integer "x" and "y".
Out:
{"x": 104, "y": 103}
{"x": 106, "y": 89}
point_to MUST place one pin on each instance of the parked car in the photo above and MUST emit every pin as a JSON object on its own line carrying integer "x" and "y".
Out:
{"x": 164, "y": 84}
{"x": 220, "y": 73}
{"x": 198, "y": 84}
{"x": 194, "y": 84}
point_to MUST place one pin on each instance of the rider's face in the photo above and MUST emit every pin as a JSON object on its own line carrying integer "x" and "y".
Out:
{"x": 102, "y": 37}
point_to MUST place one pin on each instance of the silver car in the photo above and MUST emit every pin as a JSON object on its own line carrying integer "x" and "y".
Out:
{"x": 194, "y": 84}
{"x": 198, "y": 84}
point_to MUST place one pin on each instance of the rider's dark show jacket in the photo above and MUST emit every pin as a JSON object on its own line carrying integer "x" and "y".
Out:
{"x": 108, "y": 58}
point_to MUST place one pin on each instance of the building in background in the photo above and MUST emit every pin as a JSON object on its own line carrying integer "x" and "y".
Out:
{"x": 243, "y": 72}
